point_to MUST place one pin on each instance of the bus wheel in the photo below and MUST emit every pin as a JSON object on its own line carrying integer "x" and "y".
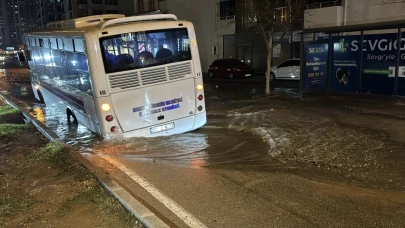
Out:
{"x": 71, "y": 116}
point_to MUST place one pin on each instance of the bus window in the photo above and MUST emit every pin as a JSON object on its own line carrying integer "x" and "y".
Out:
{"x": 59, "y": 63}
{"x": 38, "y": 59}
{"x": 78, "y": 72}
{"x": 145, "y": 49}
{"x": 54, "y": 44}
{"x": 47, "y": 62}
{"x": 34, "y": 55}
{"x": 68, "y": 44}
{"x": 79, "y": 45}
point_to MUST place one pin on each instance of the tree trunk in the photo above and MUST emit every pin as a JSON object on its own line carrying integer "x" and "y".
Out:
{"x": 269, "y": 58}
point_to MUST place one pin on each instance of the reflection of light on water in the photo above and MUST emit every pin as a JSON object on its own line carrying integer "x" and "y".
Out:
{"x": 56, "y": 120}
{"x": 39, "y": 114}
{"x": 81, "y": 129}
{"x": 197, "y": 163}
{"x": 185, "y": 149}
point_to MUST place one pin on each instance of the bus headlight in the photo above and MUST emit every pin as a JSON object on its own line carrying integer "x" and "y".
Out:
{"x": 105, "y": 107}
{"x": 200, "y": 87}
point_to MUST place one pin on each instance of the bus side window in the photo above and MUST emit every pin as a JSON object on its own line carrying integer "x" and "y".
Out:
{"x": 59, "y": 63}
{"x": 47, "y": 62}
{"x": 78, "y": 72}
{"x": 35, "y": 55}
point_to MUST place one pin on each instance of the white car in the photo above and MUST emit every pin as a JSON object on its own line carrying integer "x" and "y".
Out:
{"x": 288, "y": 70}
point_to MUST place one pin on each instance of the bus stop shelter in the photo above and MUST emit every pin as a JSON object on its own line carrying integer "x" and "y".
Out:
{"x": 369, "y": 62}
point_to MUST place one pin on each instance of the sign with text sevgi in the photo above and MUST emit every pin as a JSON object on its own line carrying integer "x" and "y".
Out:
{"x": 379, "y": 59}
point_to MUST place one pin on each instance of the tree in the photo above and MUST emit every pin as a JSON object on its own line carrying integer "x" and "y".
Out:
{"x": 271, "y": 18}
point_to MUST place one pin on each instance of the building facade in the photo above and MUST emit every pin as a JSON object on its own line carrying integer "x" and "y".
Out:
{"x": 248, "y": 43}
{"x": 82, "y": 8}
{"x": 352, "y": 12}
{"x": 48, "y": 11}
{"x": 55, "y": 10}
{"x": 4, "y": 34}
{"x": 150, "y": 6}
{"x": 16, "y": 18}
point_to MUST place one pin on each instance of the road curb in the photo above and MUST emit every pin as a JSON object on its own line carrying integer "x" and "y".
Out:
{"x": 135, "y": 207}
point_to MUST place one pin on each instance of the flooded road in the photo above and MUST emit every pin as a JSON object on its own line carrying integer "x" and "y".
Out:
{"x": 244, "y": 133}
{"x": 257, "y": 135}
{"x": 255, "y": 160}
{"x": 202, "y": 148}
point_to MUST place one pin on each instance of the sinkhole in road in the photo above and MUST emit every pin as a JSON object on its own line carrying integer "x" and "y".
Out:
{"x": 213, "y": 145}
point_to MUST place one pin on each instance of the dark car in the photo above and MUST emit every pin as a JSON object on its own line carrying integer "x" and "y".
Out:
{"x": 230, "y": 68}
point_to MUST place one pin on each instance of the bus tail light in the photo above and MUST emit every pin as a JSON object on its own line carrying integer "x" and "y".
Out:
{"x": 109, "y": 118}
{"x": 114, "y": 129}
{"x": 200, "y": 97}
{"x": 105, "y": 107}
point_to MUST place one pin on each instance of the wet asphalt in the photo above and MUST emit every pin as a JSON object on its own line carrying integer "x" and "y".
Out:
{"x": 259, "y": 162}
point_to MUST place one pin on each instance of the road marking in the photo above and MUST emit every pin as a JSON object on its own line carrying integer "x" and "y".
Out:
{"x": 180, "y": 212}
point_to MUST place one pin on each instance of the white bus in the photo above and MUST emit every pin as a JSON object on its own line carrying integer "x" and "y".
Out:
{"x": 134, "y": 76}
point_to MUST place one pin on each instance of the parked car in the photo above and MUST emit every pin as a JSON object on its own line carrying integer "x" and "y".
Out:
{"x": 230, "y": 68}
{"x": 288, "y": 70}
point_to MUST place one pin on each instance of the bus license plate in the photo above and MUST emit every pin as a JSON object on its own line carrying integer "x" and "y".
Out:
{"x": 161, "y": 128}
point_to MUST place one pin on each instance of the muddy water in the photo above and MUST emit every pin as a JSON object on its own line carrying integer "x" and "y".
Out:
{"x": 70, "y": 133}
{"x": 213, "y": 145}
{"x": 210, "y": 146}
{"x": 246, "y": 133}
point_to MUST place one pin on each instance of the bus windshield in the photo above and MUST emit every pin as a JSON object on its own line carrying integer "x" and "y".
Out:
{"x": 136, "y": 50}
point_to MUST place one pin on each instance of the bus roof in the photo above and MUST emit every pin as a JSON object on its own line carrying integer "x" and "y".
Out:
{"x": 78, "y": 26}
